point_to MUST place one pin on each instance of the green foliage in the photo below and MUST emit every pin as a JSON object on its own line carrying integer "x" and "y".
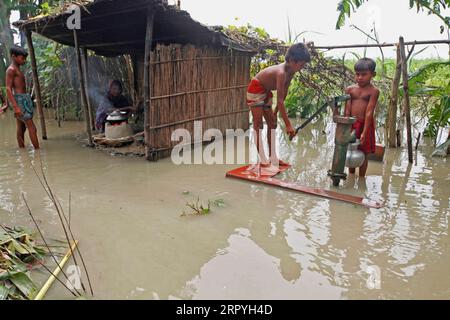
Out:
{"x": 320, "y": 79}
{"x": 53, "y": 75}
{"x": 18, "y": 254}
{"x": 439, "y": 117}
{"x": 435, "y": 7}
{"x": 198, "y": 208}
{"x": 432, "y": 81}
{"x": 345, "y": 8}
{"x": 32, "y": 7}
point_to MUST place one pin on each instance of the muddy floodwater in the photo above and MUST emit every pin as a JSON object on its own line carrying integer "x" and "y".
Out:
{"x": 260, "y": 243}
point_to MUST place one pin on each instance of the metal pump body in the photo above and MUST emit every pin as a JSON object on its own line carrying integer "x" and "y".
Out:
{"x": 343, "y": 137}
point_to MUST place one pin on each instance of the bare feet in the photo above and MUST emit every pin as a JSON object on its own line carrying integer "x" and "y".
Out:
{"x": 265, "y": 164}
{"x": 279, "y": 162}
{"x": 283, "y": 164}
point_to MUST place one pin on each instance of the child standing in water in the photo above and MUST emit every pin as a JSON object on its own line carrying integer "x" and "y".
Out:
{"x": 19, "y": 99}
{"x": 259, "y": 97}
{"x": 364, "y": 98}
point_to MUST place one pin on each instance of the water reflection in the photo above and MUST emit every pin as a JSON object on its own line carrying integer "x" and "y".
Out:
{"x": 266, "y": 243}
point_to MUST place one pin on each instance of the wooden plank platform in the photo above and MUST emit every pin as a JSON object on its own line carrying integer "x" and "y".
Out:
{"x": 266, "y": 176}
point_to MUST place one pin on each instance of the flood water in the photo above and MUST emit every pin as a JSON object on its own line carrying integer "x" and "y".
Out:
{"x": 263, "y": 243}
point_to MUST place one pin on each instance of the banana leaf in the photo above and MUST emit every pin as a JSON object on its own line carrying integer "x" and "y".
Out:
{"x": 24, "y": 284}
{"x": 6, "y": 238}
{"x": 18, "y": 255}
{"x": 4, "y": 292}
{"x": 15, "y": 294}
{"x": 425, "y": 79}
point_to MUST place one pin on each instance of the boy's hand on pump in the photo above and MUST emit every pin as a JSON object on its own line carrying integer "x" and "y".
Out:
{"x": 290, "y": 131}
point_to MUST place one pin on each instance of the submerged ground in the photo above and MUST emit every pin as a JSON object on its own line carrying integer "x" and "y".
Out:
{"x": 264, "y": 243}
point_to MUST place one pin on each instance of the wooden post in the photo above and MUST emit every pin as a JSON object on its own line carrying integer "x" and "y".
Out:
{"x": 393, "y": 102}
{"x": 86, "y": 83}
{"x": 83, "y": 89}
{"x": 37, "y": 87}
{"x": 130, "y": 75}
{"x": 147, "y": 87}
{"x": 406, "y": 102}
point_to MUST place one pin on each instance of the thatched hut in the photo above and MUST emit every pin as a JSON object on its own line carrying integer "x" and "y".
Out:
{"x": 183, "y": 70}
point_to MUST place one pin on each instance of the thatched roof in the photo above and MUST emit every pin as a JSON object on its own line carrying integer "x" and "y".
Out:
{"x": 115, "y": 27}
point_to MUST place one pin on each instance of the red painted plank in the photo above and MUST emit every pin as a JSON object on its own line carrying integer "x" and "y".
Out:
{"x": 265, "y": 176}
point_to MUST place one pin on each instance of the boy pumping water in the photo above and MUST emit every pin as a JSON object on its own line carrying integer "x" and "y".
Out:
{"x": 259, "y": 98}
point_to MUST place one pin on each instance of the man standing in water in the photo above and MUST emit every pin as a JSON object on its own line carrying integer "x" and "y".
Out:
{"x": 20, "y": 100}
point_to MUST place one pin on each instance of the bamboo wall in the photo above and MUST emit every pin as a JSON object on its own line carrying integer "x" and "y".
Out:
{"x": 190, "y": 83}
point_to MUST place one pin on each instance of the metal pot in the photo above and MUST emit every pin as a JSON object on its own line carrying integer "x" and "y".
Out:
{"x": 355, "y": 157}
{"x": 117, "y": 117}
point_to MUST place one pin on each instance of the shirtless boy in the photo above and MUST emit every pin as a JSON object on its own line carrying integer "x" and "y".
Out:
{"x": 259, "y": 97}
{"x": 19, "y": 99}
{"x": 364, "y": 98}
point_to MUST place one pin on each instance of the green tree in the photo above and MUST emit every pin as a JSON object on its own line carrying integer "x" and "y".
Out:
{"x": 6, "y": 37}
{"x": 435, "y": 7}
{"x": 26, "y": 8}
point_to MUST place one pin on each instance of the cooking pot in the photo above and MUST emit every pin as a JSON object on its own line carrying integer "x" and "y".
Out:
{"x": 117, "y": 117}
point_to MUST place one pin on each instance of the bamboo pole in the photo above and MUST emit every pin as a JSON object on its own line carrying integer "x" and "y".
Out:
{"x": 147, "y": 85}
{"x": 381, "y": 45}
{"x": 37, "y": 86}
{"x": 406, "y": 100}
{"x": 86, "y": 83}
{"x": 55, "y": 273}
{"x": 83, "y": 89}
{"x": 197, "y": 58}
{"x": 393, "y": 102}
{"x": 199, "y": 118}
{"x": 198, "y": 91}
{"x": 130, "y": 75}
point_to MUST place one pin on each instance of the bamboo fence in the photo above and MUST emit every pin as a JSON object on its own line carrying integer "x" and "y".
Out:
{"x": 196, "y": 84}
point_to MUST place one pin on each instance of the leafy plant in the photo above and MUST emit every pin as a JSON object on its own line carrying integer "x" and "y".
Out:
{"x": 435, "y": 7}
{"x": 439, "y": 117}
{"x": 200, "y": 209}
{"x": 197, "y": 208}
{"x": 18, "y": 255}
{"x": 432, "y": 82}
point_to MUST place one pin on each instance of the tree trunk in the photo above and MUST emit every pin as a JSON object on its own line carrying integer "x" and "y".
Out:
{"x": 130, "y": 73}
{"x": 23, "y": 16}
{"x": 148, "y": 117}
{"x": 393, "y": 102}
{"x": 6, "y": 41}
{"x": 36, "y": 85}
{"x": 85, "y": 65}
{"x": 83, "y": 94}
